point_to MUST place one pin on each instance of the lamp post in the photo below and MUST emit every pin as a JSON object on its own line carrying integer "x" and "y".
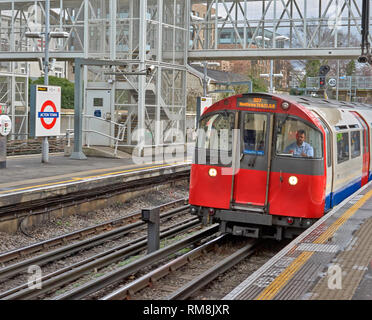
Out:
{"x": 204, "y": 64}
{"x": 272, "y": 75}
{"x": 47, "y": 35}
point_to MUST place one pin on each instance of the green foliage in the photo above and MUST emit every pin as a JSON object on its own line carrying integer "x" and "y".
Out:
{"x": 295, "y": 92}
{"x": 67, "y": 90}
{"x": 312, "y": 70}
{"x": 258, "y": 84}
{"x": 350, "y": 68}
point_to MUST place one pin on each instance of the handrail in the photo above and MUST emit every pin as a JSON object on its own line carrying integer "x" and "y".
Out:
{"x": 119, "y": 137}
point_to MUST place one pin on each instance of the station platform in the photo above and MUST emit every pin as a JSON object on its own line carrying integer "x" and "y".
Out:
{"x": 27, "y": 172}
{"x": 27, "y": 181}
{"x": 332, "y": 260}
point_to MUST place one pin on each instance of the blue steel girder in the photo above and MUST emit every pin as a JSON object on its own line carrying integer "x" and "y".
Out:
{"x": 275, "y": 29}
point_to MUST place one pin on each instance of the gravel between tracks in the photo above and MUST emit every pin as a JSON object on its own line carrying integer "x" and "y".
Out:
{"x": 59, "y": 226}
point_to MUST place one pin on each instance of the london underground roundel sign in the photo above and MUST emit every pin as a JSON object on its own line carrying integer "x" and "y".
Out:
{"x": 48, "y": 109}
{"x": 44, "y": 115}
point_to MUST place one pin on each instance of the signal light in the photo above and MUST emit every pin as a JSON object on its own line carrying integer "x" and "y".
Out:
{"x": 211, "y": 211}
{"x": 321, "y": 82}
{"x": 290, "y": 220}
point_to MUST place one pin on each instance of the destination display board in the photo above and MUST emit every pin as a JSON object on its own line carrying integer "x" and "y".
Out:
{"x": 256, "y": 102}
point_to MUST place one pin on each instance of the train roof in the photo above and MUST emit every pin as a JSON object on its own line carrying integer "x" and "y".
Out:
{"x": 323, "y": 103}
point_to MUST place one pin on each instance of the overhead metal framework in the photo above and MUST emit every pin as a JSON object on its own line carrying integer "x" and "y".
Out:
{"x": 168, "y": 33}
{"x": 139, "y": 33}
{"x": 282, "y": 29}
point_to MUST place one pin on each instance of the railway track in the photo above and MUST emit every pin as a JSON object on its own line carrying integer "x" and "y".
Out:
{"x": 129, "y": 247}
{"x": 68, "y": 274}
{"x": 113, "y": 277}
{"x": 149, "y": 280}
{"x": 40, "y": 207}
{"x": 89, "y": 231}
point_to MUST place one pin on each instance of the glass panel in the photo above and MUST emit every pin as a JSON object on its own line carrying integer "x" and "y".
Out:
{"x": 98, "y": 102}
{"x": 152, "y": 9}
{"x": 215, "y": 132}
{"x": 168, "y": 12}
{"x": 342, "y": 147}
{"x": 355, "y": 144}
{"x": 254, "y": 133}
{"x": 168, "y": 44}
{"x": 181, "y": 13}
{"x": 297, "y": 139}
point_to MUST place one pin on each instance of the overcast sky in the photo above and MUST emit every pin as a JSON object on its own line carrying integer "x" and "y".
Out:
{"x": 254, "y": 8}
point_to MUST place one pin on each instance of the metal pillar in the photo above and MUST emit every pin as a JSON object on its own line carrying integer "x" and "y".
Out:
{"x": 45, "y": 143}
{"x": 2, "y": 152}
{"x": 271, "y": 75}
{"x": 198, "y": 111}
{"x": 142, "y": 80}
{"x": 78, "y": 115}
{"x": 152, "y": 217}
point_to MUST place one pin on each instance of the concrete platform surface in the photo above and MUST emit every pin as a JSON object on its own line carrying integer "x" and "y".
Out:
{"x": 332, "y": 260}
{"x": 27, "y": 172}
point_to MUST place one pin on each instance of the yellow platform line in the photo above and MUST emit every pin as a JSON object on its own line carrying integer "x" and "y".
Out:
{"x": 85, "y": 178}
{"x": 271, "y": 290}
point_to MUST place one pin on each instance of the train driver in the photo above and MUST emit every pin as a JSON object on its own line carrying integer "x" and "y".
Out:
{"x": 300, "y": 148}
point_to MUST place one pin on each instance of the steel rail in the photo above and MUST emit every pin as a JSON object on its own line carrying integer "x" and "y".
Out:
{"x": 56, "y": 254}
{"x": 71, "y": 199}
{"x": 35, "y": 247}
{"x": 206, "y": 277}
{"x": 120, "y": 274}
{"x": 146, "y": 280}
{"x": 68, "y": 274}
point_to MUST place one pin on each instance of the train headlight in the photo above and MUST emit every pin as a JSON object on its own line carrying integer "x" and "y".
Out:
{"x": 293, "y": 180}
{"x": 285, "y": 105}
{"x": 212, "y": 172}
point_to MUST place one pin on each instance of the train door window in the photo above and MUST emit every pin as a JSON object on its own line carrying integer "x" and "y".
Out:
{"x": 342, "y": 147}
{"x": 355, "y": 144}
{"x": 254, "y": 133}
{"x": 215, "y": 132}
{"x": 295, "y": 138}
{"x": 329, "y": 140}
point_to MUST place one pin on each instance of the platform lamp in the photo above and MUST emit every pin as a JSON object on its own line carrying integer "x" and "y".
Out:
{"x": 47, "y": 35}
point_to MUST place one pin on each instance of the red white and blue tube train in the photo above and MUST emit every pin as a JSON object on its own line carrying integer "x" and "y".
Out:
{"x": 268, "y": 166}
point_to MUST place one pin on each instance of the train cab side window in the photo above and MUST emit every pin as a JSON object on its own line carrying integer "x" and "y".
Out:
{"x": 355, "y": 144}
{"x": 215, "y": 132}
{"x": 295, "y": 138}
{"x": 342, "y": 147}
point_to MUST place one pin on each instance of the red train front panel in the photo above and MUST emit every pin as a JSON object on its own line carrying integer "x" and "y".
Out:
{"x": 296, "y": 184}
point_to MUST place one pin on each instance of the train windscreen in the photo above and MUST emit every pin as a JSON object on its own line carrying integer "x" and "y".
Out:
{"x": 297, "y": 139}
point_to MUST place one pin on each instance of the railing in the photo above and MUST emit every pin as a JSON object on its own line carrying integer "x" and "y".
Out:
{"x": 344, "y": 83}
{"x": 119, "y": 137}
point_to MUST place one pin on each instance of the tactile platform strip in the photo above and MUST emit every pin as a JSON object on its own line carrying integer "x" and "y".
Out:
{"x": 353, "y": 263}
{"x": 317, "y": 247}
{"x": 293, "y": 272}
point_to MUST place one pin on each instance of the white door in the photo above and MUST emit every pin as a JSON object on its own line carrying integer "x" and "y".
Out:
{"x": 99, "y": 113}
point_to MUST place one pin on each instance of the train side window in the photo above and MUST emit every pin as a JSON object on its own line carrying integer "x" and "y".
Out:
{"x": 342, "y": 147}
{"x": 287, "y": 143}
{"x": 355, "y": 144}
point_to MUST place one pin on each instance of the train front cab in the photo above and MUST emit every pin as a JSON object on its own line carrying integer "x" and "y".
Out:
{"x": 272, "y": 194}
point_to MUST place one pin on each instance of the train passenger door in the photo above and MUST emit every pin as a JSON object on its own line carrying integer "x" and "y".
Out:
{"x": 329, "y": 160}
{"x": 251, "y": 182}
{"x": 365, "y": 141}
